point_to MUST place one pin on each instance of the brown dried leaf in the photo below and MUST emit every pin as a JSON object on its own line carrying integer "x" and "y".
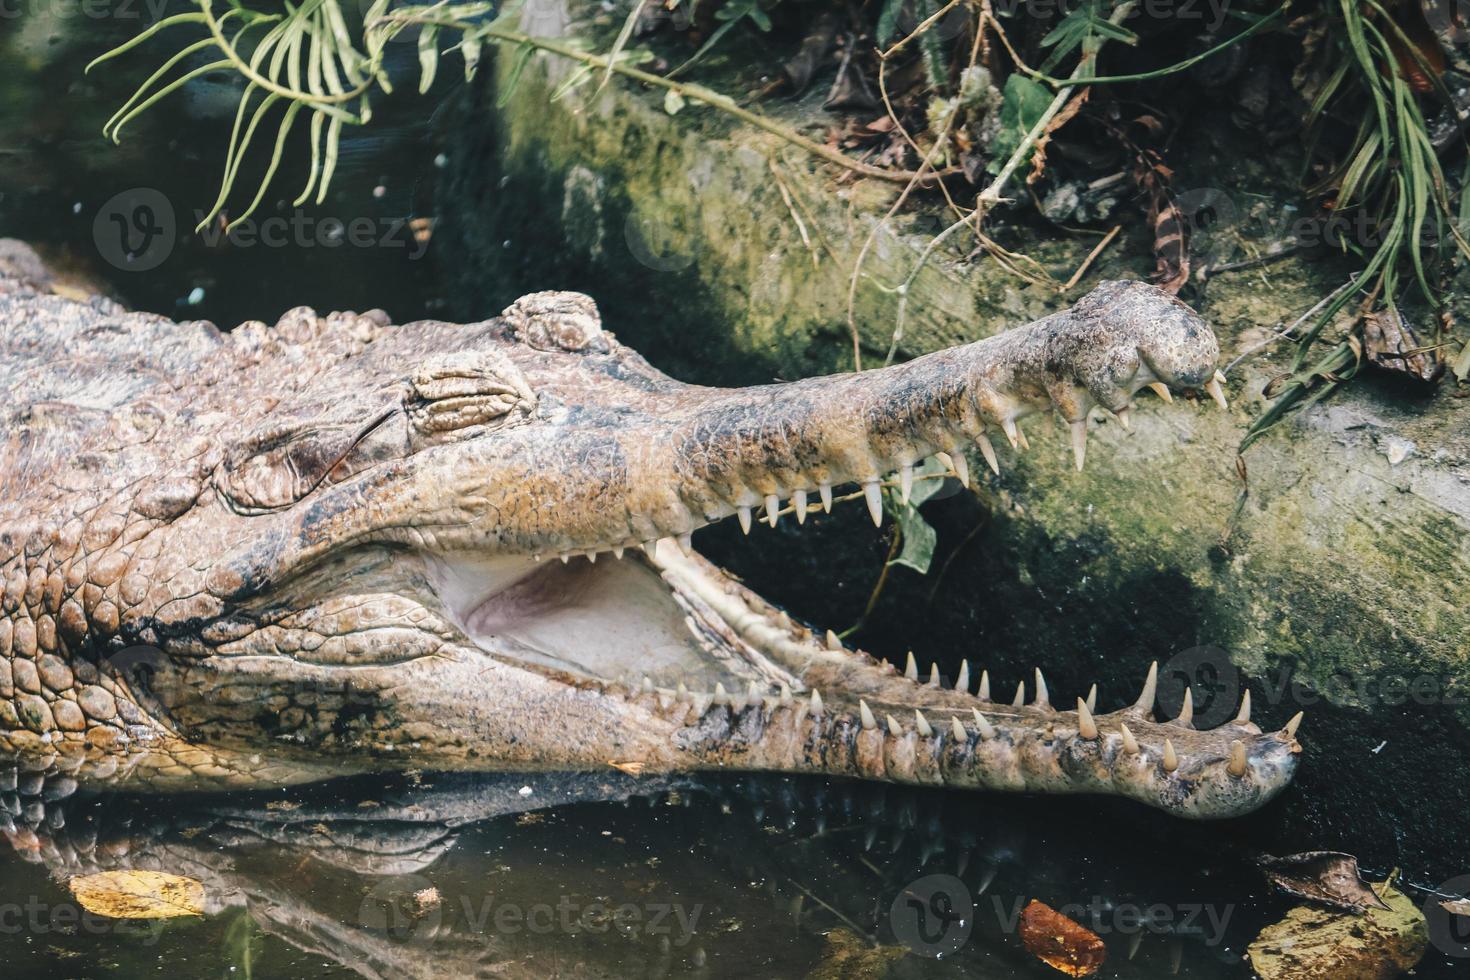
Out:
{"x": 631, "y": 768}
{"x": 1391, "y": 344}
{"x": 1038, "y": 160}
{"x": 1059, "y": 942}
{"x": 1457, "y": 906}
{"x": 138, "y": 894}
{"x": 1328, "y": 877}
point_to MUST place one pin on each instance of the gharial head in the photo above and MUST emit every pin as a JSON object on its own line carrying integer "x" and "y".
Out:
{"x": 352, "y": 546}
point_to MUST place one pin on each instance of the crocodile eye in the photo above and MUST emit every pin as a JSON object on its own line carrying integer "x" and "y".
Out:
{"x": 469, "y": 389}
{"x": 553, "y": 321}
{"x": 279, "y": 466}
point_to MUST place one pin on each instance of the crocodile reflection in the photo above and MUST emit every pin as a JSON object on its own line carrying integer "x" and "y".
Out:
{"x": 615, "y": 876}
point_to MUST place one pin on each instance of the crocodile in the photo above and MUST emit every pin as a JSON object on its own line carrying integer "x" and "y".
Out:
{"x": 337, "y": 545}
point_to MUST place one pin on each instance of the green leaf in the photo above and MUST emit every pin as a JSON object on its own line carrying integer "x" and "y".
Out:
{"x": 428, "y": 56}
{"x": 919, "y": 539}
{"x": 1026, "y": 100}
{"x": 673, "y": 102}
{"x": 470, "y": 47}
{"x": 888, "y": 20}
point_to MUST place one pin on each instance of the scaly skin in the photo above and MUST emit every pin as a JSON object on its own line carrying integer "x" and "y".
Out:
{"x": 330, "y": 546}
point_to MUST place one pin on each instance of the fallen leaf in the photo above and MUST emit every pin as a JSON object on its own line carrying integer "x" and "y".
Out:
{"x": 631, "y": 768}
{"x": 1329, "y": 877}
{"x": 1318, "y": 944}
{"x": 138, "y": 894}
{"x": 1059, "y": 942}
{"x": 1458, "y": 906}
{"x": 1390, "y": 343}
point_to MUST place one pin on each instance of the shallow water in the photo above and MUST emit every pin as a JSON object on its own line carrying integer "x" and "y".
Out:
{"x": 530, "y": 875}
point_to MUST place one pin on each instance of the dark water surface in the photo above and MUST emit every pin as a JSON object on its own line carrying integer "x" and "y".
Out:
{"x": 535, "y": 876}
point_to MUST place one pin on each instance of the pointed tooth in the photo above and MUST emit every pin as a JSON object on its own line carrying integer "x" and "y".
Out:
{"x": 744, "y": 513}
{"x": 1043, "y": 698}
{"x": 894, "y": 728}
{"x": 681, "y": 692}
{"x": 922, "y": 724}
{"x": 647, "y": 685}
{"x": 988, "y": 451}
{"x": 962, "y": 683}
{"x": 1008, "y": 426}
{"x": 1171, "y": 758}
{"x": 987, "y": 730}
{"x": 961, "y": 467}
{"x": 1244, "y": 717}
{"x": 945, "y": 460}
{"x": 1186, "y": 711}
{"x": 1212, "y": 387}
{"x": 1079, "y": 443}
{"x": 1086, "y": 725}
{"x": 816, "y": 705}
{"x": 686, "y": 544}
{"x": 773, "y": 509}
{"x": 911, "y": 668}
{"x": 866, "y": 714}
{"x": 1125, "y": 418}
{"x": 984, "y": 692}
{"x": 933, "y": 675}
{"x": 1162, "y": 390}
{"x": 592, "y": 557}
{"x": 798, "y": 501}
{"x": 753, "y": 693}
{"x": 1130, "y": 744}
{"x": 824, "y": 490}
{"x": 785, "y": 694}
{"x": 565, "y": 557}
{"x": 721, "y": 695}
{"x": 1294, "y": 724}
{"x": 958, "y": 730}
{"x": 905, "y": 481}
{"x": 618, "y": 552}
{"x": 1237, "y": 758}
{"x": 874, "y": 497}
{"x": 1019, "y": 701}
{"x": 650, "y": 548}
{"x": 1145, "y": 704}
{"x": 1021, "y": 439}
{"x": 1092, "y": 698}
{"x": 833, "y": 643}
{"x": 1134, "y": 941}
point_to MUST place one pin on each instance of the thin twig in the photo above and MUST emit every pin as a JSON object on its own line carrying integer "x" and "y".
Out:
{"x": 1284, "y": 334}
{"x": 1096, "y": 251}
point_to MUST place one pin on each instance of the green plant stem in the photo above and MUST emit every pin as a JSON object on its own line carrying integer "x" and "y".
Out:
{"x": 688, "y": 90}
{"x": 269, "y": 85}
{"x": 991, "y": 194}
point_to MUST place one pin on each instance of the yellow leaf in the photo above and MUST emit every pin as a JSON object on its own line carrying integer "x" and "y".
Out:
{"x": 138, "y": 894}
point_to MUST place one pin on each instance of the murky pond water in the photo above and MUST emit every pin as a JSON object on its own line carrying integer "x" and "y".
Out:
{"x": 530, "y": 875}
